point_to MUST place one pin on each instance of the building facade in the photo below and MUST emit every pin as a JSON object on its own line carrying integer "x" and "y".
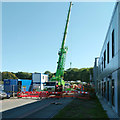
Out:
{"x": 109, "y": 64}
{"x": 38, "y": 80}
{"x": 95, "y": 75}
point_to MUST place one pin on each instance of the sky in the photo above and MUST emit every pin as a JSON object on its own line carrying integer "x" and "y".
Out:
{"x": 32, "y": 34}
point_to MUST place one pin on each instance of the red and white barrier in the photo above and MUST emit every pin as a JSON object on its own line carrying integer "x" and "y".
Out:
{"x": 79, "y": 92}
{"x": 69, "y": 92}
{"x": 46, "y": 94}
{"x": 33, "y": 94}
{"x": 55, "y": 93}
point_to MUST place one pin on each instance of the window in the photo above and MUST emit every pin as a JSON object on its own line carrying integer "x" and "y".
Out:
{"x": 108, "y": 90}
{"x": 99, "y": 87}
{"x": 108, "y": 52}
{"x": 112, "y": 91}
{"x": 102, "y": 63}
{"x": 99, "y": 69}
{"x": 113, "y": 44}
{"x": 104, "y": 89}
{"x": 104, "y": 58}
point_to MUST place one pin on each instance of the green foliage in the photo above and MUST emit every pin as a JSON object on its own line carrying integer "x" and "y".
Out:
{"x": 24, "y": 75}
{"x": 71, "y": 74}
{"x": 1, "y": 82}
{"x": 8, "y": 75}
{"x": 74, "y": 74}
{"x": 18, "y": 75}
{"x": 0, "y": 76}
{"x": 49, "y": 74}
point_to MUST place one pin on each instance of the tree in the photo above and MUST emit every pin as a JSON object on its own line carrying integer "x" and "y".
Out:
{"x": 24, "y": 75}
{"x": 8, "y": 75}
{"x": 73, "y": 74}
{"x": 0, "y": 76}
{"x": 1, "y": 82}
{"x": 49, "y": 74}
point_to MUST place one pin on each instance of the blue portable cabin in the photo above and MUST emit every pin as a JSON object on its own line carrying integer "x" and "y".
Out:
{"x": 26, "y": 85}
{"x": 10, "y": 85}
{"x": 16, "y": 85}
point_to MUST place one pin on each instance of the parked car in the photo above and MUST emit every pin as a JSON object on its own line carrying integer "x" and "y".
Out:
{"x": 4, "y": 95}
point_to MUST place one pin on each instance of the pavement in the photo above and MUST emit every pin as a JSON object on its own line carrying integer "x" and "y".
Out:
{"x": 11, "y": 103}
{"x": 110, "y": 112}
{"x": 27, "y": 108}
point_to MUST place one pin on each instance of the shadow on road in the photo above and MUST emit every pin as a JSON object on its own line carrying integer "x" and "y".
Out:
{"x": 37, "y": 110}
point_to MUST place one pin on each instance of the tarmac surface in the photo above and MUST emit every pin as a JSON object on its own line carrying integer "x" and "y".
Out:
{"x": 45, "y": 108}
{"x": 8, "y": 104}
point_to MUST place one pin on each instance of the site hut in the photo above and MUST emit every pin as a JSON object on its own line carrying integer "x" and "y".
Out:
{"x": 17, "y": 85}
{"x": 38, "y": 81}
{"x": 109, "y": 63}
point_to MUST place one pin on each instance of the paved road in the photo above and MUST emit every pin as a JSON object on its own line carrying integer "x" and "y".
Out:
{"x": 8, "y": 104}
{"x": 39, "y": 109}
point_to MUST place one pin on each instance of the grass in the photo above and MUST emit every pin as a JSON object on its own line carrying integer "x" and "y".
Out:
{"x": 79, "y": 109}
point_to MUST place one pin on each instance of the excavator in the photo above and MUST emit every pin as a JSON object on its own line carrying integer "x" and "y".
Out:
{"x": 57, "y": 79}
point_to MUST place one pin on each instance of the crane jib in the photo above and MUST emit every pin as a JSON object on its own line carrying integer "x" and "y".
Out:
{"x": 63, "y": 50}
{"x": 62, "y": 55}
{"x": 66, "y": 27}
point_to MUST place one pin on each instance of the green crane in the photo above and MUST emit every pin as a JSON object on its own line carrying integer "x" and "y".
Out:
{"x": 62, "y": 55}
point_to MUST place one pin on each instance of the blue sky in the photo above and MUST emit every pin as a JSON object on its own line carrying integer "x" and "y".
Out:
{"x": 32, "y": 34}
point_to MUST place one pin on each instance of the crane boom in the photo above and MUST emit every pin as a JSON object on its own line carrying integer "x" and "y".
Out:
{"x": 66, "y": 27}
{"x": 62, "y": 54}
{"x": 63, "y": 50}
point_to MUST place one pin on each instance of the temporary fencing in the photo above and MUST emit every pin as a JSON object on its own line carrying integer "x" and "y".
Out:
{"x": 82, "y": 95}
{"x": 33, "y": 94}
{"x": 55, "y": 94}
{"x": 22, "y": 94}
{"x": 46, "y": 94}
{"x": 69, "y": 94}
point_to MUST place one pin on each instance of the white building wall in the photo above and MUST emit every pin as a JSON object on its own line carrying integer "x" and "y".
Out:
{"x": 112, "y": 69}
{"x": 119, "y": 59}
{"x": 44, "y": 78}
{"x": 114, "y": 76}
